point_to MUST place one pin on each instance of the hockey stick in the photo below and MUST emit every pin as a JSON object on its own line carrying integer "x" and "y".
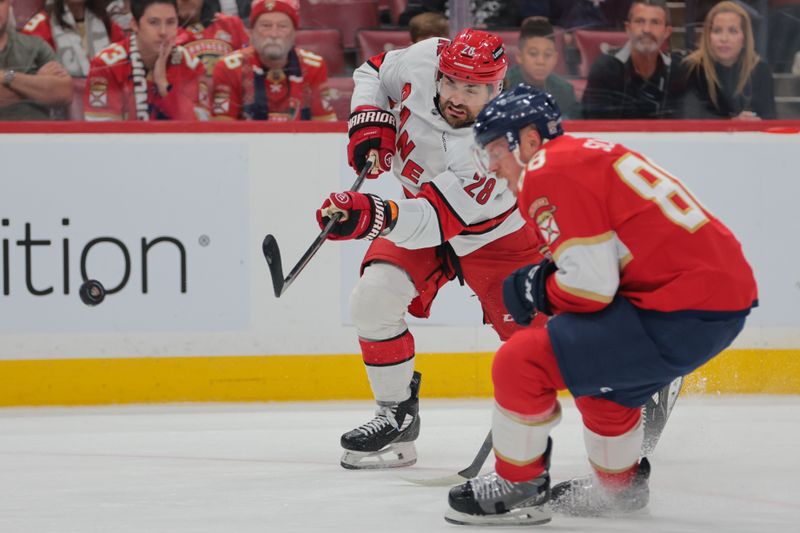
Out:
{"x": 656, "y": 412}
{"x": 468, "y": 473}
{"x": 272, "y": 253}
{"x": 654, "y": 416}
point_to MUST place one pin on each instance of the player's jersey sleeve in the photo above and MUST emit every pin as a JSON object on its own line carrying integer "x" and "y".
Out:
{"x": 39, "y": 25}
{"x": 315, "y": 74}
{"x": 383, "y": 76}
{"x": 226, "y": 97}
{"x": 571, "y": 217}
{"x": 104, "y": 95}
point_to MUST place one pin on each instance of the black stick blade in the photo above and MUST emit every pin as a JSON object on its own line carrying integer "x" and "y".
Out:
{"x": 273, "y": 256}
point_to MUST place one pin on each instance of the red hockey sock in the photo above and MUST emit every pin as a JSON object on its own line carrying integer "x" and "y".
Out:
{"x": 616, "y": 481}
{"x": 517, "y": 473}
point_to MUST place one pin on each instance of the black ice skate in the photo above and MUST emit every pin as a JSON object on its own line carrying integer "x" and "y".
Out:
{"x": 586, "y": 497}
{"x": 386, "y": 441}
{"x": 491, "y": 500}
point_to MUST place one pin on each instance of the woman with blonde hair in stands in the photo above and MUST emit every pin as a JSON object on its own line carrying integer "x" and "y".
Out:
{"x": 727, "y": 79}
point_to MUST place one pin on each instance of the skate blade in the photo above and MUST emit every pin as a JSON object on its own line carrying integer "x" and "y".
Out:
{"x": 446, "y": 481}
{"x": 393, "y": 456}
{"x": 524, "y": 516}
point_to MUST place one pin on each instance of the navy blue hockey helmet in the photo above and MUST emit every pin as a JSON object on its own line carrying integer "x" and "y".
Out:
{"x": 509, "y": 112}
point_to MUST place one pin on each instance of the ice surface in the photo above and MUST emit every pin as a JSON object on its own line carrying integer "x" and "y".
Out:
{"x": 727, "y": 464}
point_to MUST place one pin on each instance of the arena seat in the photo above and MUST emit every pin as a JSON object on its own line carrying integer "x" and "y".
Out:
{"x": 25, "y": 9}
{"x": 340, "y": 90}
{"x": 373, "y": 42}
{"x": 592, "y": 43}
{"x": 347, "y": 15}
{"x": 326, "y": 42}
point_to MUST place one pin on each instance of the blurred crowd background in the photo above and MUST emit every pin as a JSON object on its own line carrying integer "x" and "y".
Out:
{"x": 294, "y": 59}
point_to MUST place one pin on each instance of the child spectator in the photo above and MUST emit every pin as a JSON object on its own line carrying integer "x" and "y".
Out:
{"x": 76, "y": 30}
{"x": 727, "y": 79}
{"x": 146, "y": 77}
{"x": 271, "y": 79}
{"x": 537, "y": 57}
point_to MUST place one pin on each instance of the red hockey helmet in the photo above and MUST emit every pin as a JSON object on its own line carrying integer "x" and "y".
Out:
{"x": 474, "y": 56}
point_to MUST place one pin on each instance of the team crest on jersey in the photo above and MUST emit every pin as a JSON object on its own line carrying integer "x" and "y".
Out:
{"x": 98, "y": 92}
{"x": 543, "y": 213}
{"x": 222, "y": 103}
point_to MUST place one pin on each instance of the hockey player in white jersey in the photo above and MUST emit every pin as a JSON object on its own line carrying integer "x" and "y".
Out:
{"x": 411, "y": 113}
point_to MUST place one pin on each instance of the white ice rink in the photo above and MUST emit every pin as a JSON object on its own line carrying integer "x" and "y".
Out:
{"x": 725, "y": 464}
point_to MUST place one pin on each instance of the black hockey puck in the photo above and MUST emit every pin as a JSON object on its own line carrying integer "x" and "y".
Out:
{"x": 92, "y": 292}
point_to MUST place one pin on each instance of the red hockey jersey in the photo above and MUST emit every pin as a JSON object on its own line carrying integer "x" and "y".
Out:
{"x": 109, "y": 93}
{"x": 293, "y": 93}
{"x": 616, "y": 223}
{"x": 225, "y": 34}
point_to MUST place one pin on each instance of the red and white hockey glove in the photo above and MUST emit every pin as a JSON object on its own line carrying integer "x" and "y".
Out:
{"x": 371, "y": 129}
{"x": 366, "y": 216}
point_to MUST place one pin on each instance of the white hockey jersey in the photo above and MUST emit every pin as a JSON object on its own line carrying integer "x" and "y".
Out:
{"x": 446, "y": 198}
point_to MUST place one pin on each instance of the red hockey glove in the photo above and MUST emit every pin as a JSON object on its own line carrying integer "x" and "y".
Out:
{"x": 366, "y": 216}
{"x": 525, "y": 292}
{"x": 371, "y": 129}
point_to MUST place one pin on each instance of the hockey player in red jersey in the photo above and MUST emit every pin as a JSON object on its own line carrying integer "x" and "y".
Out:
{"x": 453, "y": 221}
{"x": 272, "y": 79}
{"x": 644, "y": 285}
{"x": 146, "y": 77}
{"x": 211, "y": 38}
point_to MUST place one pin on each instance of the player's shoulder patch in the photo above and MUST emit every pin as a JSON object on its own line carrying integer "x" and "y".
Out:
{"x": 113, "y": 54}
{"x": 309, "y": 58}
{"x": 542, "y": 212}
{"x": 35, "y": 21}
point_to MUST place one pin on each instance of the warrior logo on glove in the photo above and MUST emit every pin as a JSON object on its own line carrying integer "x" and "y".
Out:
{"x": 361, "y": 216}
{"x": 371, "y": 130}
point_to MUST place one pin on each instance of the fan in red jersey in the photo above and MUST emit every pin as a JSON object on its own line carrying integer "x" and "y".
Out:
{"x": 272, "y": 79}
{"x": 146, "y": 77}
{"x": 209, "y": 37}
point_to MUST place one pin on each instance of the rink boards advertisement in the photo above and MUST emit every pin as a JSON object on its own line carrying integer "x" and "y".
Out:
{"x": 172, "y": 223}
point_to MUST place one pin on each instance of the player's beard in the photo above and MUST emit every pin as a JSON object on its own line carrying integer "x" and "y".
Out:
{"x": 467, "y": 120}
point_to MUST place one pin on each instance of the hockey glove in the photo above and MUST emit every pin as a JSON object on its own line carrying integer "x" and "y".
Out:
{"x": 525, "y": 292}
{"x": 366, "y": 216}
{"x": 371, "y": 129}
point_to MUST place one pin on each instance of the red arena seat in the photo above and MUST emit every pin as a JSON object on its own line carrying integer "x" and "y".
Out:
{"x": 340, "y": 90}
{"x": 347, "y": 15}
{"x": 593, "y": 43}
{"x": 373, "y": 42}
{"x": 25, "y": 9}
{"x": 326, "y": 43}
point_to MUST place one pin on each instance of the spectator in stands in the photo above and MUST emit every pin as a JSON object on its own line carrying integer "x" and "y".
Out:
{"x": 271, "y": 79}
{"x": 209, "y": 35}
{"x": 77, "y": 30}
{"x": 638, "y": 81}
{"x": 726, "y": 77}
{"x": 146, "y": 76}
{"x": 427, "y": 25}
{"x": 537, "y": 57}
{"x": 784, "y": 34}
{"x": 31, "y": 80}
